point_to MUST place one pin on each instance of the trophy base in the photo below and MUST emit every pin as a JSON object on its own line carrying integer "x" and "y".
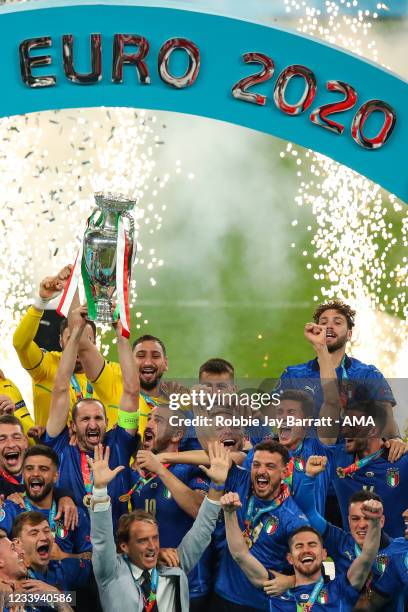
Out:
{"x": 104, "y": 312}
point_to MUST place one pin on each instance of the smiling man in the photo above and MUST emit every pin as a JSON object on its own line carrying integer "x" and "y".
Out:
{"x": 33, "y": 532}
{"x": 354, "y": 376}
{"x": 172, "y": 493}
{"x": 133, "y": 577}
{"x": 150, "y": 357}
{"x": 267, "y": 516}
{"x": 363, "y": 462}
{"x": 306, "y": 555}
{"x": 40, "y": 473}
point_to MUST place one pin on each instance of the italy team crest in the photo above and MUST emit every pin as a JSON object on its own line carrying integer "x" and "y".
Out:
{"x": 60, "y": 531}
{"x": 381, "y": 563}
{"x": 271, "y": 525}
{"x": 393, "y": 477}
{"x": 166, "y": 494}
{"x": 299, "y": 464}
{"x": 323, "y": 597}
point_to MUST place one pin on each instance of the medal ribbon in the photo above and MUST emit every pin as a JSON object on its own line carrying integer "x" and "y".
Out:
{"x": 87, "y": 475}
{"x": 252, "y": 516}
{"x": 77, "y": 388}
{"x": 138, "y": 486}
{"x": 358, "y": 464}
{"x": 122, "y": 276}
{"x": 306, "y": 607}
{"x": 150, "y": 601}
{"x": 51, "y": 516}
{"x": 8, "y": 477}
{"x": 291, "y": 465}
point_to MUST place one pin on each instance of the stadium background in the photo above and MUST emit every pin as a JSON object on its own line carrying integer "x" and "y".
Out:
{"x": 236, "y": 246}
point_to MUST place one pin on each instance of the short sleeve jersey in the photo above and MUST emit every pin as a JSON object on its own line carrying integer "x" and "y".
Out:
{"x": 269, "y": 543}
{"x": 155, "y": 498}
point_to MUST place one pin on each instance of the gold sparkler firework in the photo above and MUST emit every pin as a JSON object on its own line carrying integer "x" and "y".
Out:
{"x": 358, "y": 227}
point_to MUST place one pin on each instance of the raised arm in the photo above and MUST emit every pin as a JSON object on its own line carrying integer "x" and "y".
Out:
{"x": 196, "y": 457}
{"x": 306, "y": 494}
{"x": 91, "y": 359}
{"x": 28, "y": 351}
{"x": 360, "y": 568}
{"x": 331, "y": 407}
{"x": 187, "y": 499}
{"x": 104, "y": 558}
{"x": 252, "y": 568}
{"x": 60, "y": 399}
{"x": 129, "y": 401}
{"x": 198, "y": 537}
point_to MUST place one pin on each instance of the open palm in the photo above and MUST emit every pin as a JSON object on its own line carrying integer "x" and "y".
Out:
{"x": 102, "y": 474}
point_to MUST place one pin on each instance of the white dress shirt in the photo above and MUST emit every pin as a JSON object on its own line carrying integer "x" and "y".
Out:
{"x": 166, "y": 589}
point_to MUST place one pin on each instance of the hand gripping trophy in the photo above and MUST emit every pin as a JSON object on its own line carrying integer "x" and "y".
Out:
{"x": 105, "y": 260}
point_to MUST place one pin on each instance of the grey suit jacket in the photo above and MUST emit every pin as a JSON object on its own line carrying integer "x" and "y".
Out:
{"x": 117, "y": 588}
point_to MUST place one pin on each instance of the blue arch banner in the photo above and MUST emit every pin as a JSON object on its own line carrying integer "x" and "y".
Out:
{"x": 72, "y": 55}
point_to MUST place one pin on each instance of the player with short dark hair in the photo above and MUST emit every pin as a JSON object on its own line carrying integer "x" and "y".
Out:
{"x": 177, "y": 495}
{"x": 344, "y": 546}
{"x": 40, "y": 474}
{"x": 333, "y": 324}
{"x": 267, "y": 516}
{"x": 362, "y": 461}
{"x": 306, "y": 555}
{"x": 34, "y": 534}
{"x": 90, "y": 422}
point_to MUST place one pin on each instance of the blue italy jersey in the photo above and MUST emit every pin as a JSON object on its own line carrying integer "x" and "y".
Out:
{"x": 269, "y": 543}
{"x": 174, "y": 523}
{"x": 121, "y": 444}
{"x": 70, "y": 541}
{"x": 388, "y": 480}
{"x": 155, "y": 498}
{"x": 336, "y": 596}
{"x": 310, "y": 446}
{"x": 66, "y": 575}
{"x": 359, "y": 381}
{"x": 394, "y": 578}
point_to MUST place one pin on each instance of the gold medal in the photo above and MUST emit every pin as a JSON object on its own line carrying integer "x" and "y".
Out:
{"x": 340, "y": 472}
{"x": 87, "y": 500}
{"x": 124, "y": 498}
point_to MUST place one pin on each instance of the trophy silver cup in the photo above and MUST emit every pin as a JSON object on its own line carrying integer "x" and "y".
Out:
{"x": 100, "y": 245}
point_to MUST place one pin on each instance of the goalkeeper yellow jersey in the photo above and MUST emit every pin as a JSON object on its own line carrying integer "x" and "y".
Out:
{"x": 109, "y": 388}
{"x": 7, "y": 387}
{"x": 42, "y": 366}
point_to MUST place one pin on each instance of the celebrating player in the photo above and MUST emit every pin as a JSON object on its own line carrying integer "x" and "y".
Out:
{"x": 42, "y": 366}
{"x": 345, "y": 546}
{"x": 337, "y": 319}
{"x": 40, "y": 473}
{"x": 89, "y": 421}
{"x": 306, "y": 554}
{"x": 267, "y": 516}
